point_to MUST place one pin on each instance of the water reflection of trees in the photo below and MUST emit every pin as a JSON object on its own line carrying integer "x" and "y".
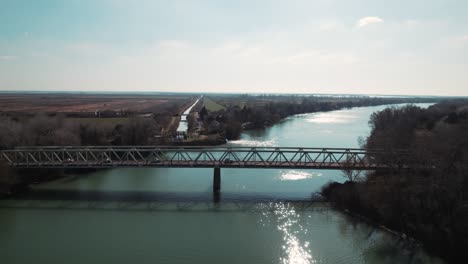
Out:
{"x": 379, "y": 246}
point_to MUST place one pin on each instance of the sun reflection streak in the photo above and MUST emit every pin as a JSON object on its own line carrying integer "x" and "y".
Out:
{"x": 295, "y": 251}
{"x": 332, "y": 118}
{"x": 255, "y": 143}
{"x": 294, "y": 175}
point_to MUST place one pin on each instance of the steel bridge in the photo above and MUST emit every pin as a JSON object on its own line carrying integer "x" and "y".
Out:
{"x": 98, "y": 157}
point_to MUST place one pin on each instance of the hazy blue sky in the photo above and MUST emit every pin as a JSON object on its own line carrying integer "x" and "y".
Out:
{"x": 293, "y": 46}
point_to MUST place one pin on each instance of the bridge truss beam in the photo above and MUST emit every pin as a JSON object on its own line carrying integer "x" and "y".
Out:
{"x": 204, "y": 157}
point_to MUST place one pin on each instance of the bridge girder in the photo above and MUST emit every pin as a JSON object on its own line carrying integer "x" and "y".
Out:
{"x": 203, "y": 157}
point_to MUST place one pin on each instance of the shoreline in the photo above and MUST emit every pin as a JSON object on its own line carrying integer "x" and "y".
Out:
{"x": 209, "y": 141}
{"x": 343, "y": 201}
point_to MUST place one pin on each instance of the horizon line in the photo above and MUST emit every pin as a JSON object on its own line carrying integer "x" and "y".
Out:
{"x": 227, "y": 93}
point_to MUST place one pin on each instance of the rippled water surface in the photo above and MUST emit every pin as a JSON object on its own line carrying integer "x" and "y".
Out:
{"x": 167, "y": 215}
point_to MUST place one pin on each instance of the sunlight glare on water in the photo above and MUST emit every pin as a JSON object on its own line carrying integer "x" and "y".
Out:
{"x": 177, "y": 222}
{"x": 338, "y": 117}
{"x": 295, "y": 251}
{"x": 255, "y": 143}
{"x": 294, "y": 175}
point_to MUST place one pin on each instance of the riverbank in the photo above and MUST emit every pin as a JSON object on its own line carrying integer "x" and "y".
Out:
{"x": 190, "y": 227}
{"x": 16, "y": 181}
{"x": 347, "y": 197}
{"x": 231, "y": 118}
{"x": 342, "y": 197}
{"x": 429, "y": 203}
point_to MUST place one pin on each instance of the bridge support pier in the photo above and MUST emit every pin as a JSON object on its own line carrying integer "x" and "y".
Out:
{"x": 217, "y": 180}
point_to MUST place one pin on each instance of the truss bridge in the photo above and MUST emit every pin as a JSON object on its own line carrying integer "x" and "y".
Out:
{"x": 99, "y": 157}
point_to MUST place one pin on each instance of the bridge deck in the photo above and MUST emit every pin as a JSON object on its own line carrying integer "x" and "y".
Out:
{"x": 202, "y": 157}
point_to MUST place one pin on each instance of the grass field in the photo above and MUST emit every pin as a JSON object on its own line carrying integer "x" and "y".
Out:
{"x": 211, "y": 105}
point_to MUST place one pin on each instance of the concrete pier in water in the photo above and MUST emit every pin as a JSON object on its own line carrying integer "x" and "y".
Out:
{"x": 217, "y": 180}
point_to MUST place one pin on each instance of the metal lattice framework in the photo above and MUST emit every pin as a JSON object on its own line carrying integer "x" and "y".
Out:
{"x": 204, "y": 157}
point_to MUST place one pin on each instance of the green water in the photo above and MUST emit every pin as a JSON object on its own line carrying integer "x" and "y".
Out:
{"x": 260, "y": 217}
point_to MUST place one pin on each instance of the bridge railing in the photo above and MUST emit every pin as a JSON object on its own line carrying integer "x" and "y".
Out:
{"x": 173, "y": 156}
{"x": 201, "y": 147}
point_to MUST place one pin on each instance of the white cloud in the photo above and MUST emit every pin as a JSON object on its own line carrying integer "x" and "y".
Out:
{"x": 8, "y": 57}
{"x": 460, "y": 40}
{"x": 331, "y": 26}
{"x": 301, "y": 57}
{"x": 229, "y": 47}
{"x": 323, "y": 58}
{"x": 454, "y": 42}
{"x": 317, "y": 56}
{"x": 88, "y": 50}
{"x": 365, "y": 21}
{"x": 174, "y": 44}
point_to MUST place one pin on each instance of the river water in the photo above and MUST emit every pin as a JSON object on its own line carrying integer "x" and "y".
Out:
{"x": 183, "y": 123}
{"x": 261, "y": 216}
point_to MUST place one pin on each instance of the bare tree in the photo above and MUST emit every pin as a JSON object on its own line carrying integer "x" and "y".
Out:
{"x": 68, "y": 134}
{"x": 138, "y": 131}
{"x": 352, "y": 175}
{"x": 10, "y": 132}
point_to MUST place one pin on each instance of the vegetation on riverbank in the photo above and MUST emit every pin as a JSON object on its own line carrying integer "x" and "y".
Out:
{"x": 211, "y": 122}
{"x": 215, "y": 119}
{"x": 244, "y": 112}
{"x": 42, "y": 130}
{"x": 14, "y": 181}
{"x": 59, "y": 128}
{"x": 82, "y": 119}
{"x": 430, "y": 204}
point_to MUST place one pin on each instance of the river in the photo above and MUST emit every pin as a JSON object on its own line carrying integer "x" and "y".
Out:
{"x": 261, "y": 217}
{"x": 183, "y": 123}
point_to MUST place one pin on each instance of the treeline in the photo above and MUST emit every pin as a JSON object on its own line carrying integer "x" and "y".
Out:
{"x": 104, "y": 128}
{"x": 234, "y": 119}
{"x": 56, "y": 130}
{"x": 430, "y": 203}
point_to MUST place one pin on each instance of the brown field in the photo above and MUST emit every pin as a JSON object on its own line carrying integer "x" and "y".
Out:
{"x": 85, "y": 103}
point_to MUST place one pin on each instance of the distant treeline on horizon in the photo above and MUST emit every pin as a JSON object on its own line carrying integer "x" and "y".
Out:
{"x": 346, "y": 95}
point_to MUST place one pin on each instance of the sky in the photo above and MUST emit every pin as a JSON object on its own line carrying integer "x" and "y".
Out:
{"x": 407, "y": 47}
